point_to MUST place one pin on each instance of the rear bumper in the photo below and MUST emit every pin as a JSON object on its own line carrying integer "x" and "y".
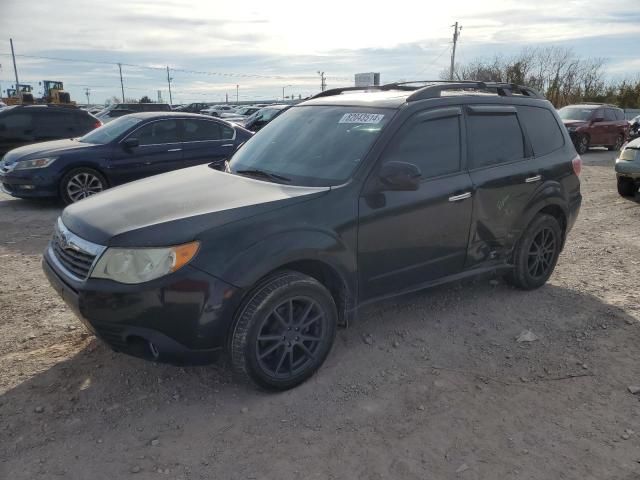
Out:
{"x": 574, "y": 209}
{"x": 185, "y": 315}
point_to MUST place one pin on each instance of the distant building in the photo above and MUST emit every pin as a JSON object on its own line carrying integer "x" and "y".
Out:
{"x": 367, "y": 79}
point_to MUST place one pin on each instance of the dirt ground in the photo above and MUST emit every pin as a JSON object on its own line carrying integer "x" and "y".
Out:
{"x": 440, "y": 389}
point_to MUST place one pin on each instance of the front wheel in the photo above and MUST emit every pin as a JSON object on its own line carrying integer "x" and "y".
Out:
{"x": 616, "y": 146}
{"x": 626, "y": 187}
{"x": 81, "y": 183}
{"x": 536, "y": 254}
{"x": 284, "y": 332}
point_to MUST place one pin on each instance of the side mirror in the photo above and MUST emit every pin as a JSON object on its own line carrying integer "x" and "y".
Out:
{"x": 131, "y": 143}
{"x": 399, "y": 176}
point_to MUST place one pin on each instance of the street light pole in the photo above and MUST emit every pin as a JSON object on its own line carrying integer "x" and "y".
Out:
{"x": 286, "y": 86}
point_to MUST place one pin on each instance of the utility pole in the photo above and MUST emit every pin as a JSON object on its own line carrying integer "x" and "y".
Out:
{"x": 86, "y": 92}
{"x": 121, "y": 83}
{"x": 323, "y": 83}
{"x": 237, "y": 94}
{"x": 456, "y": 34}
{"x": 15, "y": 70}
{"x": 169, "y": 82}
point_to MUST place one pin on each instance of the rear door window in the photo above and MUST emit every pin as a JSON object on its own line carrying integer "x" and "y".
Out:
{"x": 609, "y": 115}
{"x": 200, "y": 131}
{"x": 158, "y": 133}
{"x": 433, "y": 145}
{"x": 542, "y": 128}
{"x": 619, "y": 114}
{"x": 494, "y": 138}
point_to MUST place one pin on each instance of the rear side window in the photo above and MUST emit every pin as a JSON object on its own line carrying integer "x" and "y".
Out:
{"x": 619, "y": 114}
{"x": 543, "y": 129}
{"x": 494, "y": 138}
{"x": 51, "y": 123}
{"x": 609, "y": 115}
{"x": 432, "y": 145}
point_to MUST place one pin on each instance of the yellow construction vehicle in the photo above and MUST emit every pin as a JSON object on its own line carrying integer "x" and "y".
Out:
{"x": 24, "y": 97}
{"x": 53, "y": 92}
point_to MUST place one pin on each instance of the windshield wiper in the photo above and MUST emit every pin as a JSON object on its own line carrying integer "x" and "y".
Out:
{"x": 261, "y": 173}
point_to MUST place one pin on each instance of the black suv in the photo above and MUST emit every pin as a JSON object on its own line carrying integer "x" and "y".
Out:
{"x": 25, "y": 124}
{"x": 345, "y": 199}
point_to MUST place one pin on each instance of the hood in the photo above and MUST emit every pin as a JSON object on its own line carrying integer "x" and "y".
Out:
{"x": 574, "y": 123}
{"x": 635, "y": 143}
{"x": 44, "y": 149}
{"x": 175, "y": 207}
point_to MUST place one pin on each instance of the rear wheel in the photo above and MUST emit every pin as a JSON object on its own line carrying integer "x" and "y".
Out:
{"x": 284, "y": 332}
{"x": 582, "y": 144}
{"x": 616, "y": 146}
{"x": 626, "y": 187}
{"x": 536, "y": 254}
{"x": 81, "y": 183}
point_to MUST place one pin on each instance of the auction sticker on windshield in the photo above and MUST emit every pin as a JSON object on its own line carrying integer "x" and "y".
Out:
{"x": 361, "y": 118}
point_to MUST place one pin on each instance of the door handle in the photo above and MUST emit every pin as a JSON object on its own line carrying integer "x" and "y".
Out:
{"x": 174, "y": 150}
{"x": 462, "y": 196}
{"x": 228, "y": 145}
{"x": 536, "y": 178}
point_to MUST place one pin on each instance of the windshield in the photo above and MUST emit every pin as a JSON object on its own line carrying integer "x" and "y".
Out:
{"x": 575, "y": 113}
{"x": 112, "y": 130}
{"x": 313, "y": 145}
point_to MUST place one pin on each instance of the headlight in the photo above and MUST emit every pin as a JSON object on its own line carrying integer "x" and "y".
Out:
{"x": 34, "y": 163}
{"x": 137, "y": 265}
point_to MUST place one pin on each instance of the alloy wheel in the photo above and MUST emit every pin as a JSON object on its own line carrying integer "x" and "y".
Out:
{"x": 83, "y": 185}
{"x": 541, "y": 253}
{"x": 290, "y": 337}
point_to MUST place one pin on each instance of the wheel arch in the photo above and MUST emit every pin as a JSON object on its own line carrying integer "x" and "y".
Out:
{"x": 84, "y": 164}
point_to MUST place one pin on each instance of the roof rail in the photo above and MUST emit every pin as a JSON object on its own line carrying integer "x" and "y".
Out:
{"x": 434, "y": 88}
{"x": 338, "y": 91}
{"x": 502, "y": 89}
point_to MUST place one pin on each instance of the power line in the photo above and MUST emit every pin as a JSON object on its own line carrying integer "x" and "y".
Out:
{"x": 182, "y": 70}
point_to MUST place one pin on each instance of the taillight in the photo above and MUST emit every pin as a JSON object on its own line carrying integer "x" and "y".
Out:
{"x": 577, "y": 165}
{"x": 98, "y": 124}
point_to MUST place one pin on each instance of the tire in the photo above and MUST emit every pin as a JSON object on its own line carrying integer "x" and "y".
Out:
{"x": 616, "y": 146}
{"x": 81, "y": 183}
{"x": 278, "y": 312}
{"x": 536, "y": 253}
{"x": 626, "y": 187}
{"x": 582, "y": 144}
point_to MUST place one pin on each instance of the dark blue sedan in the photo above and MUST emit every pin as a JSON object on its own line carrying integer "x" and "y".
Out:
{"x": 128, "y": 148}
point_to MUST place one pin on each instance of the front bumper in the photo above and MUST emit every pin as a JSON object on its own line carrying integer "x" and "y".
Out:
{"x": 29, "y": 184}
{"x": 185, "y": 315}
{"x": 628, "y": 168}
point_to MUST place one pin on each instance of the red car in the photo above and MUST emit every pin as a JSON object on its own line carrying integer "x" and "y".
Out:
{"x": 595, "y": 124}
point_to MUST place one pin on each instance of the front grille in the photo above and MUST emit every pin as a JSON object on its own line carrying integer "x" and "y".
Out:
{"x": 77, "y": 262}
{"x": 72, "y": 253}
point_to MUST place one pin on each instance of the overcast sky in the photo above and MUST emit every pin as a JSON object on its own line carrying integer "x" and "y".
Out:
{"x": 265, "y": 46}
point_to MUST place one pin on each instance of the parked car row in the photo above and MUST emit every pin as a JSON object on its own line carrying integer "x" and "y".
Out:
{"x": 128, "y": 148}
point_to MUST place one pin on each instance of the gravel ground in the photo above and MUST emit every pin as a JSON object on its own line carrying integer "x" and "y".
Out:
{"x": 427, "y": 386}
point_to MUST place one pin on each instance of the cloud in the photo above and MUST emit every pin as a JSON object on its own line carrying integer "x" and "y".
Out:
{"x": 294, "y": 39}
